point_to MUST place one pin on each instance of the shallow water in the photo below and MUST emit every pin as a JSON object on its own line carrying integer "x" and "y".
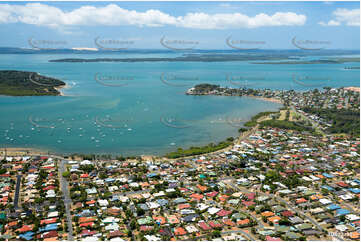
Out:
{"x": 138, "y": 112}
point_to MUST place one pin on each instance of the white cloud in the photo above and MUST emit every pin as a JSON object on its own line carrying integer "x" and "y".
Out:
{"x": 113, "y": 15}
{"x": 350, "y": 17}
{"x": 225, "y": 5}
{"x": 238, "y": 20}
{"x": 330, "y": 23}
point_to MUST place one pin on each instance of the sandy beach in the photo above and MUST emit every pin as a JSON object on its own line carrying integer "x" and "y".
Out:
{"x": 21, "y": 151}
{"x": 60, "y": 88}
{"x": 274, "y": 100}
{"x": 355, "y": 89}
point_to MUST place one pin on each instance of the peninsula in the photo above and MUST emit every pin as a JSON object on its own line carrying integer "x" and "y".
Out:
{"x": 24, "y": 83}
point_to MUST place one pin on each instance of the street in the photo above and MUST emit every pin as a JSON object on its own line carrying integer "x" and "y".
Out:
{"x": 17, "y": 191}
{"x": 67, "y": 199}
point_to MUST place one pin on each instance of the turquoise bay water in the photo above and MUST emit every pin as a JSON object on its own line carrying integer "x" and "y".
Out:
{"x": 138, "y": 113}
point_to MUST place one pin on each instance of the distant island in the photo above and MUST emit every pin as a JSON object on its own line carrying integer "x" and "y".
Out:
{"x": 327, "y": 61}
{"x": 268, "y": 59}
{"x": 189, "y": 58}
{"x": 24, "y": 83}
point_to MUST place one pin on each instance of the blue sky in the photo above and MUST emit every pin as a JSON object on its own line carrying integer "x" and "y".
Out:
{"x": 206, "y": 25}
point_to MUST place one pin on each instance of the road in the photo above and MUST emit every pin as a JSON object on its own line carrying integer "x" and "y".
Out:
{"x": 314, "y": 124}
{"x": 17, "y": 191}
{"x": 342, "y": 203}
{"x": 260, "y": 224}
{"x": 299, "y": 212}
{"x": 352, "y": 209}
{"x": 67, "y": 199}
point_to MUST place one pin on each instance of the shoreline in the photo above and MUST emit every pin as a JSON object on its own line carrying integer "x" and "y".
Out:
{"x": 35, "y": 151}
{"x": 354, "y": 89}
{"x": 59, "y": 89}
{"x": 267, "y": 99}
{"x": 15, "y": 151}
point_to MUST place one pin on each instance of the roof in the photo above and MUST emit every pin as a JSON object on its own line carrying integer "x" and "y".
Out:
{"x": 196, "y": 196}
{"x": 274, "y": 219}
{"x": 173, "y": 219}
{"x": 248, "y": 203}
{"x": 333, "y": 207}
{"x": 215, "y": 224}
{"x": 301, "y": 200}
{"x": 269, "y": 238}
{"x": 287, "y": 213}
{"x": 223, "y": 213}
{"x": 49, "y": 227}
{"x": 159, "y": 219}
{"x": 228, "y": 222}
{"x": 267, "y": 214}
{"x": 243, "y": 221}
{"x": 204, "y": 226}
{"x": 27, "y": 235}
{"x": 48, "y": 221}
{"x": 26, "y": 228}
{"x": 180, "y": 231}
{"x": 342, "y": 211}
{"x": 292, "y": 235}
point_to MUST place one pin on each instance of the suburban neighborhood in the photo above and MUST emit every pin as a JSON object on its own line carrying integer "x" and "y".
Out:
{"x": 275, "y": 183}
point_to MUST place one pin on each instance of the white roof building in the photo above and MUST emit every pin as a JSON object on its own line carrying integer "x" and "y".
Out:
{"x": 191, "y": 229}
{"x": 325, "y": 201}
{"x": 103, "y": 203}
{"x": 213, "y": 210}
{"x": 352, "y": 217}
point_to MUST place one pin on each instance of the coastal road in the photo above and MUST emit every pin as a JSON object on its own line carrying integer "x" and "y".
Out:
{"x": 67, "y": 199}
{"x": 17, "y": 191}
{"x": 314, "y": 124}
